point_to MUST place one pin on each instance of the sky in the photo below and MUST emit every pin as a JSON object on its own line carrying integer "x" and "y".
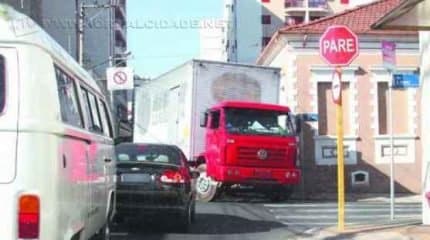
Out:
{"x": 162, "y": 33}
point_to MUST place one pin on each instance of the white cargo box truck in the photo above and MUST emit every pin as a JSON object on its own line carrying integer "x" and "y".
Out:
{"x": 167, "y": 108}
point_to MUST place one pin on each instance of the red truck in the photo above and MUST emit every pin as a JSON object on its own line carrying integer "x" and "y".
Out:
{"x": 252, "y": 144}
{"x": 246, "y": 139}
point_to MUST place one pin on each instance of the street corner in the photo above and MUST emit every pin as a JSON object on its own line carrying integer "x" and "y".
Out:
{"x": 351, "y": 235}
{"x": 404, "y": 232}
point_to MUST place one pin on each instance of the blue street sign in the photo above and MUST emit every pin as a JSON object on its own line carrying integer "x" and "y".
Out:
{"x": 406, "y": 80}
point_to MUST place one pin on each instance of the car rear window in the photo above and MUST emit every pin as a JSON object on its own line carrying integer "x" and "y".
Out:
{"x": 2, "y": 83}
{"x": 148, "y": 153}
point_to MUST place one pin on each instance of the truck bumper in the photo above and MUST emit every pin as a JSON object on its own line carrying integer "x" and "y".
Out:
{"x": 250, "y": 175}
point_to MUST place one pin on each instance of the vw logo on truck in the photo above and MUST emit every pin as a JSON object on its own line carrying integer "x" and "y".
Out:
{"x": 262, "y": 154}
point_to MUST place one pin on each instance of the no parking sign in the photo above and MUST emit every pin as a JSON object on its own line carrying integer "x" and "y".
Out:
{"x": 120, "y": 78}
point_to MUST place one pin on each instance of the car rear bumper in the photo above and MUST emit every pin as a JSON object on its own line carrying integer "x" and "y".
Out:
{"x": 151, "y": 202}
{"x": 258, "y": 176}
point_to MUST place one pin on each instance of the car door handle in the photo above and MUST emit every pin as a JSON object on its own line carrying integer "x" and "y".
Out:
{"x": 108, "y": 160}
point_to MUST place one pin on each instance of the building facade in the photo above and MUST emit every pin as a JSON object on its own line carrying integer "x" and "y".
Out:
{"x": 251, "y": 24}
{"x": 306, "y": 88}
{"x": 104, "y": 44}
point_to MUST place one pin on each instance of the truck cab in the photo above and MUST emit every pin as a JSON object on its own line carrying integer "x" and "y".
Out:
{"x": 247, "y": 143}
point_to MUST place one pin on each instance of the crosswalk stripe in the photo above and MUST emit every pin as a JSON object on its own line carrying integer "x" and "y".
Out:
{"x": 350, "y": 223}
{"x": 325, "y": 214}
{"x": 370, "y": 217}
{"x": 305, "y": 205}
{"x": 331, "y": 210}
{"x": 307, "y": 224}
{"x": 119, "y": 234}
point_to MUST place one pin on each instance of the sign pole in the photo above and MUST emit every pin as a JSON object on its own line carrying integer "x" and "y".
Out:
{"x": 340, "y": 156}
{"x": 335, "y": 53}
{"x": 389, "y": 61}
{"x": 112, "y": 106}
{"x": 390, "y": 107}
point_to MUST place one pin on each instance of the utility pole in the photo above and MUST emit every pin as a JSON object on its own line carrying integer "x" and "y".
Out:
{"x": 81, "y": 15}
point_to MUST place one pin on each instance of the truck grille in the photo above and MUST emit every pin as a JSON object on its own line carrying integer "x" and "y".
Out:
{"x": 251, "y": 154}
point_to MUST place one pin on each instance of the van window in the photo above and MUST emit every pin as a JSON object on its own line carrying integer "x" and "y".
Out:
{"x": 86, "y": 105}
{"x": 95, "y": 115}
{"x": 67, "y": 94}
{"x": 2, "y": 83}
{"x": 105, "y": 118}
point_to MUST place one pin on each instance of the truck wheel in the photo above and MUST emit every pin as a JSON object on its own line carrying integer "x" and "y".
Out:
{"x": 206, "y": 188}
{"x": 280, "y": 194}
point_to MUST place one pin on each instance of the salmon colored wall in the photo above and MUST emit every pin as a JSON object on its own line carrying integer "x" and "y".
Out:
{"x": 323, "y": 178}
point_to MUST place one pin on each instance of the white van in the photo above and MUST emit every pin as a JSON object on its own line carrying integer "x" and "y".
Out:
{"x": 57, "y": 162}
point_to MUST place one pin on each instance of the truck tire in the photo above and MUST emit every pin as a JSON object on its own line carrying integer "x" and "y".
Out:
{"x": 280, "y": 194}
{"x": 206, "y": 188}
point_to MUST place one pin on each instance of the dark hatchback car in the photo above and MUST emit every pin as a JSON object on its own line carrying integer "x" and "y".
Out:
{"x": 154, "y": 180}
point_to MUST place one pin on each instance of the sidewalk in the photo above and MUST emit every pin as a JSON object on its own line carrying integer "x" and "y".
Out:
{"x": 398, "y": 230}
{"x": 405, "y": 232}
{"x": 359, "y": 197}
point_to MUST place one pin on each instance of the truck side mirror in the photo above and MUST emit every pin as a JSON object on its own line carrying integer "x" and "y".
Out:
{"x": 203, "y": 119}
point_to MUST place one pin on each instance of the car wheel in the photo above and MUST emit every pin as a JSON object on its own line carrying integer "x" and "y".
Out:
{"x": 193, "y": 211}
{"x": 185, "y": 220}
{"x": 206, "y": 188}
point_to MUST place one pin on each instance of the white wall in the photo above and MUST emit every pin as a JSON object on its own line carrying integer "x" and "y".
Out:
{"x": 359, "y": 2}
{"x": 211, "y": 43}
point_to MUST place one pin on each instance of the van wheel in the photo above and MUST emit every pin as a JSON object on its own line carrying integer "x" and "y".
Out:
{"x": 104, "y": 233}
{"x": 206, "y": 188}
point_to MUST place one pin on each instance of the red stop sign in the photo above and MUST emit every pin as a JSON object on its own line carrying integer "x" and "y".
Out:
{"x": 339, "y": 46}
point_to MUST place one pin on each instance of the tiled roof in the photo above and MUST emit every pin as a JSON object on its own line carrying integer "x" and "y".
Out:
{"x": 358, "y": 19}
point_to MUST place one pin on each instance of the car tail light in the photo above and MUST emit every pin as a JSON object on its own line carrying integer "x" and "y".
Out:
{"x": 28, "y": 217}
{"x": 172, "y": 176}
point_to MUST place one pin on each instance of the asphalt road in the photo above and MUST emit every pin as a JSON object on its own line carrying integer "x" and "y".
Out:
{"x": 242, "y": 219}
{"x": 215, "y": 221}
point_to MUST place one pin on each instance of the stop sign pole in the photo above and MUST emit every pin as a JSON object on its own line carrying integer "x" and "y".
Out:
{"x": 339, "y": 47}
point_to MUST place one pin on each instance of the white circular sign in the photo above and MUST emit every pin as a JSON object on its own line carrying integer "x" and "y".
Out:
{"x": 120, "y": 77}
{"x": 336, "y": 87}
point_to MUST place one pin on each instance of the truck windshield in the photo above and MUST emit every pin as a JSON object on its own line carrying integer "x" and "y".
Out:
{"x": 258, "y": 122}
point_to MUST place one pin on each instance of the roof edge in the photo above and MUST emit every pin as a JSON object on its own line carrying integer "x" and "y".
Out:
{"x": 394, "y": 13}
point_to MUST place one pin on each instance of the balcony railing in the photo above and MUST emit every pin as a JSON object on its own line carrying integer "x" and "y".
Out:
{"x": 306, "y": 4}
{"x": 318, "y": 4}
{"x": 294, "y": 3}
